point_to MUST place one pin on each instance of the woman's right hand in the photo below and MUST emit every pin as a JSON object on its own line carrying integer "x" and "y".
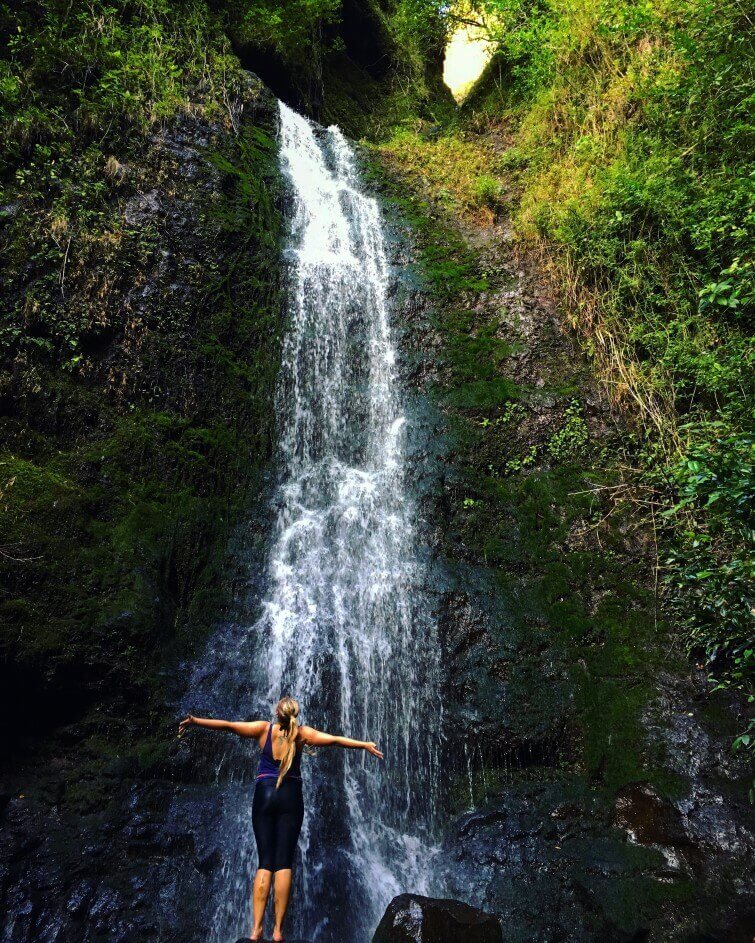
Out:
{"x": 372, "y": 749}
{"x": 185, "y": 724}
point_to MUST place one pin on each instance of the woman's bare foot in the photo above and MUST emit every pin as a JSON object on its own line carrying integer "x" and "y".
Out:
{"x": 278, "y": 936}
{"x": 256, "y": 934}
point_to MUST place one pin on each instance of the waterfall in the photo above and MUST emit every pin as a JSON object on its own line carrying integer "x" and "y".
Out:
{"x": 343, "y": 625}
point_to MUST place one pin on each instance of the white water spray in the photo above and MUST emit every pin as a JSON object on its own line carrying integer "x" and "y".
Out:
{"x": 343, "y": 627}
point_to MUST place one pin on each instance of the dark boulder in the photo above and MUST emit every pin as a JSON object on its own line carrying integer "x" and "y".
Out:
{"x": 410, "y": 918}
{"x": 647, "y": 817}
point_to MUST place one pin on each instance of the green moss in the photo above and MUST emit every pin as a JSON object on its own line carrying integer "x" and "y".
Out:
{"x": 639, "y": 897}
{"x": 570, "y": 442}
{"x": 117, "y": 516}
{"x": 611, "y": 111}
{"x": 576, "y": 608}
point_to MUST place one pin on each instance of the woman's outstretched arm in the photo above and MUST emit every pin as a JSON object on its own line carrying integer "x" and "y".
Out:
{"x": 244, "y": 728}
{"x": 317, "y": 738}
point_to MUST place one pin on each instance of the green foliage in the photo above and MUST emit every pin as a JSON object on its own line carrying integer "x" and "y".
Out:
{"x": 422, "y": 24}
{"x": 570, "y": 442}
{"x": 116, "y": 512}
{"x": 712, "y": 566}
{"x": 87, "y": 82}
{"x": 455, "y": 168}
{"x": 487, "y": 190}
{"x": 735, "y": 293}
{"x": 634, "y": 147}
{"x": 75, "y": 72}
{"x": 451, "y": 268}
{"x": 293, "y": 28}
{"x": 619, "y": 107}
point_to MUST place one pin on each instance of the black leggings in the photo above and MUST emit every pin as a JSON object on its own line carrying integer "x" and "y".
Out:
{"x": 277, "y": 815}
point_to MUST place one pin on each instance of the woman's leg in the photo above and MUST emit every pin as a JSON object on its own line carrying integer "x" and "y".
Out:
{"x": 282, "y": 895}
{"x": 263, "y": 822}
{"x": 260, "y": 891}
{"x": 287, "y": 829}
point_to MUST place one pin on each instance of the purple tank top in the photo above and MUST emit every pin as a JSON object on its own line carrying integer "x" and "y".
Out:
{"x": 270, "y": 767}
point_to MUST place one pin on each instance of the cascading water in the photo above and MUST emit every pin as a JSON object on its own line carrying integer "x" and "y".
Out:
{"x": 343, "y": 625}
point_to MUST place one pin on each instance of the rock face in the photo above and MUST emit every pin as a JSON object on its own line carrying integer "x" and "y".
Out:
{"x": 414, "y": 919}
{"x": 593, "y": 795}
{"x": 182, "y": 336}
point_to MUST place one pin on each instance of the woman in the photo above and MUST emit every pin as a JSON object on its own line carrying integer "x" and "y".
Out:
{"x": 278, "y": 805}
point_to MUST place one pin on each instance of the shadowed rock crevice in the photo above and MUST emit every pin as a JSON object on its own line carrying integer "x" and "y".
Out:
{"x": 355, "y": 71}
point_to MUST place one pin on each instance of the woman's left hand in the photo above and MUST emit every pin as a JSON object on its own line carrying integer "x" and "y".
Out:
{"x": 185, "y": 724}
{"x": 372, "y": 749}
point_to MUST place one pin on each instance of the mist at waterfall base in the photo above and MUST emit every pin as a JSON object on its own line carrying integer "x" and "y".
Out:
{"x": 342, "y": 624}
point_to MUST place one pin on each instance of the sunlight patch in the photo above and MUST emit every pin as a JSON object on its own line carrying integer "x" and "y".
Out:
{"x": 467, "y": 54}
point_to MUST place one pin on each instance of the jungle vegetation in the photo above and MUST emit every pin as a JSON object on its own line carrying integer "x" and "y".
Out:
{"x": 629, "y": 135}
{"x": 631, "y": 146}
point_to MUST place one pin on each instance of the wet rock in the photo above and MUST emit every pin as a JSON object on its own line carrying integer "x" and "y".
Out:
{"x": 95, "y": 855}
{"x": 10, "y": 211}
{"x": 556, "y": 854}
{"x": 647, "y": 817}
{"x": 142, "y": 208}
{"x": 414, "y": 919}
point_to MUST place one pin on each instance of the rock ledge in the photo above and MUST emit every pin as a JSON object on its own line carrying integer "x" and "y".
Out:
{"x": 410, "y": 918}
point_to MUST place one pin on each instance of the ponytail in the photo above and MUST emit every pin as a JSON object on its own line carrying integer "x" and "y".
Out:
{"x": 287, "y": 711}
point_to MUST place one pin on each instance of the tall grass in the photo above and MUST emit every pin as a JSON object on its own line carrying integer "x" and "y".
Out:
{"x": 635, "y": 138}
{"x": 631, "y": 171}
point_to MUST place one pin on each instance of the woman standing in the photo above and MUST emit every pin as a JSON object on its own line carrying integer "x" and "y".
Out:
{"x": 278, "y": 805}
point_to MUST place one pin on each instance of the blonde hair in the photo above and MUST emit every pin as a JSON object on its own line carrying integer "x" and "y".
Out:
{"x": 287, "y": 710}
